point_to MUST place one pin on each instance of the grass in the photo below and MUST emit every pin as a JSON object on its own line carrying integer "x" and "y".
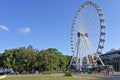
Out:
{"x": 46, "y": 78}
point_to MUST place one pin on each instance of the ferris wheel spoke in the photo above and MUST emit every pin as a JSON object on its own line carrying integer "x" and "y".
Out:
{"x": 92, "y": 42}
{"x": 93, "y": 26}
{"x": 91, "y": 45}
{"x": 94, "y": 35}
{"x": 90, "y": 21}
{"x": 85, "y": 51}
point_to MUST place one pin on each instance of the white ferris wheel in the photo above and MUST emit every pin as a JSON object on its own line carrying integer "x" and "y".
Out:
{"x": 87, "y": 35}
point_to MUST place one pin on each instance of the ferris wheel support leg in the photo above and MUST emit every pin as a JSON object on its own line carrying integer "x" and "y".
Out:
{"x": 88, "y": 60}
{"x": 100, "y": 60}
{"x": 81, "y": 60}
{"x": 71, "y": 61}
{"x": 77, "y": 56}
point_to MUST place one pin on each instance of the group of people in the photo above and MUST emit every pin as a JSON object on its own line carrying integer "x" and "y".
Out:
{"x": 105, "y": 71}
{"x": 108, "y": 71}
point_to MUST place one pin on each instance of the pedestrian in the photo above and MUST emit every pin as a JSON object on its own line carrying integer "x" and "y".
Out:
{"x": 104, "y": 72}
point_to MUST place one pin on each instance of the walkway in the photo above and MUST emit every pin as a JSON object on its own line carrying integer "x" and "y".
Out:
{"x": 115, "y": 76}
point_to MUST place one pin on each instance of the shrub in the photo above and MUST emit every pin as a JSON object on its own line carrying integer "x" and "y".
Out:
{"x": 68, "y": 74}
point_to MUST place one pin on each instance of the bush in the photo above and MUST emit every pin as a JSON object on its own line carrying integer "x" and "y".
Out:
{"x": 68, "y": 74}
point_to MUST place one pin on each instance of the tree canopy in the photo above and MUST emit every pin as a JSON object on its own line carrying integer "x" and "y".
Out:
{"x": 29, "y": 60}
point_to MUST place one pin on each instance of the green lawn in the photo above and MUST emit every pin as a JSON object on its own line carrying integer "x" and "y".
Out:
{"x": 45, "y": 78}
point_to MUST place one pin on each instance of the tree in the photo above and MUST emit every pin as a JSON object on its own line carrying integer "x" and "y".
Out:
{"x": 44, "y": 60}
{"x": 8, "y": 59}
{"x": 28, "y": 60}
{"x": 1, "y": 60}
{"x": 59, "y": 61}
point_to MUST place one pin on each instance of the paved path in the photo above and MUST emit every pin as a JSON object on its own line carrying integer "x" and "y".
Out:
{"x": 115, "y": 76}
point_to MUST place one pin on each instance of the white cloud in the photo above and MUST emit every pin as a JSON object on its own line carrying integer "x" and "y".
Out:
{"x": 25, "y": 30}
{"x": 4, "y": 28}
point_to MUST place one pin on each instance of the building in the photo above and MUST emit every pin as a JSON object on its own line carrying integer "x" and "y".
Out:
{"x": 112, "y": 58}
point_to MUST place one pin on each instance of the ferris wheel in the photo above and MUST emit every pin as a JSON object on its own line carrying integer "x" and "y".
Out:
{"x": 87, "y": 35}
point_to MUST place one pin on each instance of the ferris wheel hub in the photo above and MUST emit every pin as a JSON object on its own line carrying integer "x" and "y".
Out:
{"x": 82, "y": 34}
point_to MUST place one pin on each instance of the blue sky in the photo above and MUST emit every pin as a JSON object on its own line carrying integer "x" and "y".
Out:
{"x": 47, "y": 23}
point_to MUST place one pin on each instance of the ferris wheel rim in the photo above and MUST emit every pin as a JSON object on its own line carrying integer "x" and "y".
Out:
{"x": 102, "y": 25}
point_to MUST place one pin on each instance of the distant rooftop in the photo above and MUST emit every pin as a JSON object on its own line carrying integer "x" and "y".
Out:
{"x": 114, "y": 50}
